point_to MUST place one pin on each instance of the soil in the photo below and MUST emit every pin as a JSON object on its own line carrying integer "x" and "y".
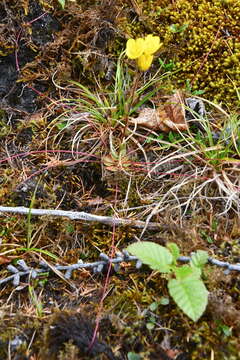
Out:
{"x": 43, "y": 48}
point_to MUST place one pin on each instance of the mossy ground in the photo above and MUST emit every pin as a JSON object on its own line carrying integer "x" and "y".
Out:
{"x": 82, "y": 43}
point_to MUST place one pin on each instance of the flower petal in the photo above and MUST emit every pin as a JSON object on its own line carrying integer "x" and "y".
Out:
{"x": 144, "y": 62}
{"x": 135, "y": 48}
{"x": 151, "y": 44}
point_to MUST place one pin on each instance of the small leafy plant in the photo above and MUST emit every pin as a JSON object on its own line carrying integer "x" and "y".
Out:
{"x": 167, "y": 66}
{"x": 175, "y": 28}
{"x": 184, "y": 282}
{"x": 189, "y": 89}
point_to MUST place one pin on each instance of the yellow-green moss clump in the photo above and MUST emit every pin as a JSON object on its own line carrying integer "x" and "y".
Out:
{"x": 202, "y": 37}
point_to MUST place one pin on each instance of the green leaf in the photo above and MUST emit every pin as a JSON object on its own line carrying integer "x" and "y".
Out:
{"x": 198, "y": 92}
{"x": 171, "y": 137}
{"x": 62, "y": 3}
{"x": 174, "y": 250}
{"x": 156, "y": 256}
{"x": 224, "y": 329}
{"x": 190, "y": 294}
{"x": 61, "y": 125}
{"x": 188, "y": 85}
{"x": 167, "y": 66}
{"x": 199, "y": 258}
{"x": 178, "y": 28}
{"x": 164, "y": 301}
{"x": 133, "y": 356}
{"x": 45, "y": 252}
{"x": 153, "y": 306}
{"x": 186, "y": 271}
{"x": 150, "y": 326}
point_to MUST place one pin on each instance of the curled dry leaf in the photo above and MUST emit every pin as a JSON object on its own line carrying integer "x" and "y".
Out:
{"x": 167, "y": 117}
{"x": 5, "y": 260}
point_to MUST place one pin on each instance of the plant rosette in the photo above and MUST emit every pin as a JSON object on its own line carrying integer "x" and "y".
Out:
{"x": 184, "y": 282}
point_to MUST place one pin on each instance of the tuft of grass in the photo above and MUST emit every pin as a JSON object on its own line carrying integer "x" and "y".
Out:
{"x": 200, "y": 164}
{"x": 99, "y": 120}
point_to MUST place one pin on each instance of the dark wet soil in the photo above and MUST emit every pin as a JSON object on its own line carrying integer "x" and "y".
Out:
{"x": 29, "y": 36}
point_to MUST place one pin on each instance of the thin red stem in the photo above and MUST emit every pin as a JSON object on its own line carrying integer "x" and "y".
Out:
{"x": 105, "y": 287}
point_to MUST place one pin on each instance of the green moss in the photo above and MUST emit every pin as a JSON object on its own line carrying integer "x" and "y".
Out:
{"x": 207, "y": 50}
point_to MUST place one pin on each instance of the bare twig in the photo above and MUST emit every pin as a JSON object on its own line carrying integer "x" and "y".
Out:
{"x": 66, "y": 270}
{"x": 75, "y": 215}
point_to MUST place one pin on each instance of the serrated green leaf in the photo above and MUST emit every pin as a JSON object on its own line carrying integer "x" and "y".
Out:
{"x": 156, "y": 256}
{"x": 186, "y": 271}
{"x": 174, "y": 250}
{"x": 199, "y": 258}
{"x": 190, "y": 295}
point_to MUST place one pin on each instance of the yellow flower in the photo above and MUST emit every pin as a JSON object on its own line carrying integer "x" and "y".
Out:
{"x": 151, "y": 44}
{"x": 144, "y": 62}
{"x": 143, "y": 49}
{"x": 134, "y": 48}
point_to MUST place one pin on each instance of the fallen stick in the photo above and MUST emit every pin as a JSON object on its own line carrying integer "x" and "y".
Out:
{"x": 75, "y": 215}
{"x": 65, "y": 271}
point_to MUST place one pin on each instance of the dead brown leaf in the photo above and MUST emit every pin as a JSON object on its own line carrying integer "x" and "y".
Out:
{"x": 5, "y": 260}
{"x": 167, "y": 117}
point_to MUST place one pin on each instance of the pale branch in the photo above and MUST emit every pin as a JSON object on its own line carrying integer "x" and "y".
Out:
{"x": 104, "y": 259}
{"x": 76, "y": 215}
{"x": 65, "y": 271}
